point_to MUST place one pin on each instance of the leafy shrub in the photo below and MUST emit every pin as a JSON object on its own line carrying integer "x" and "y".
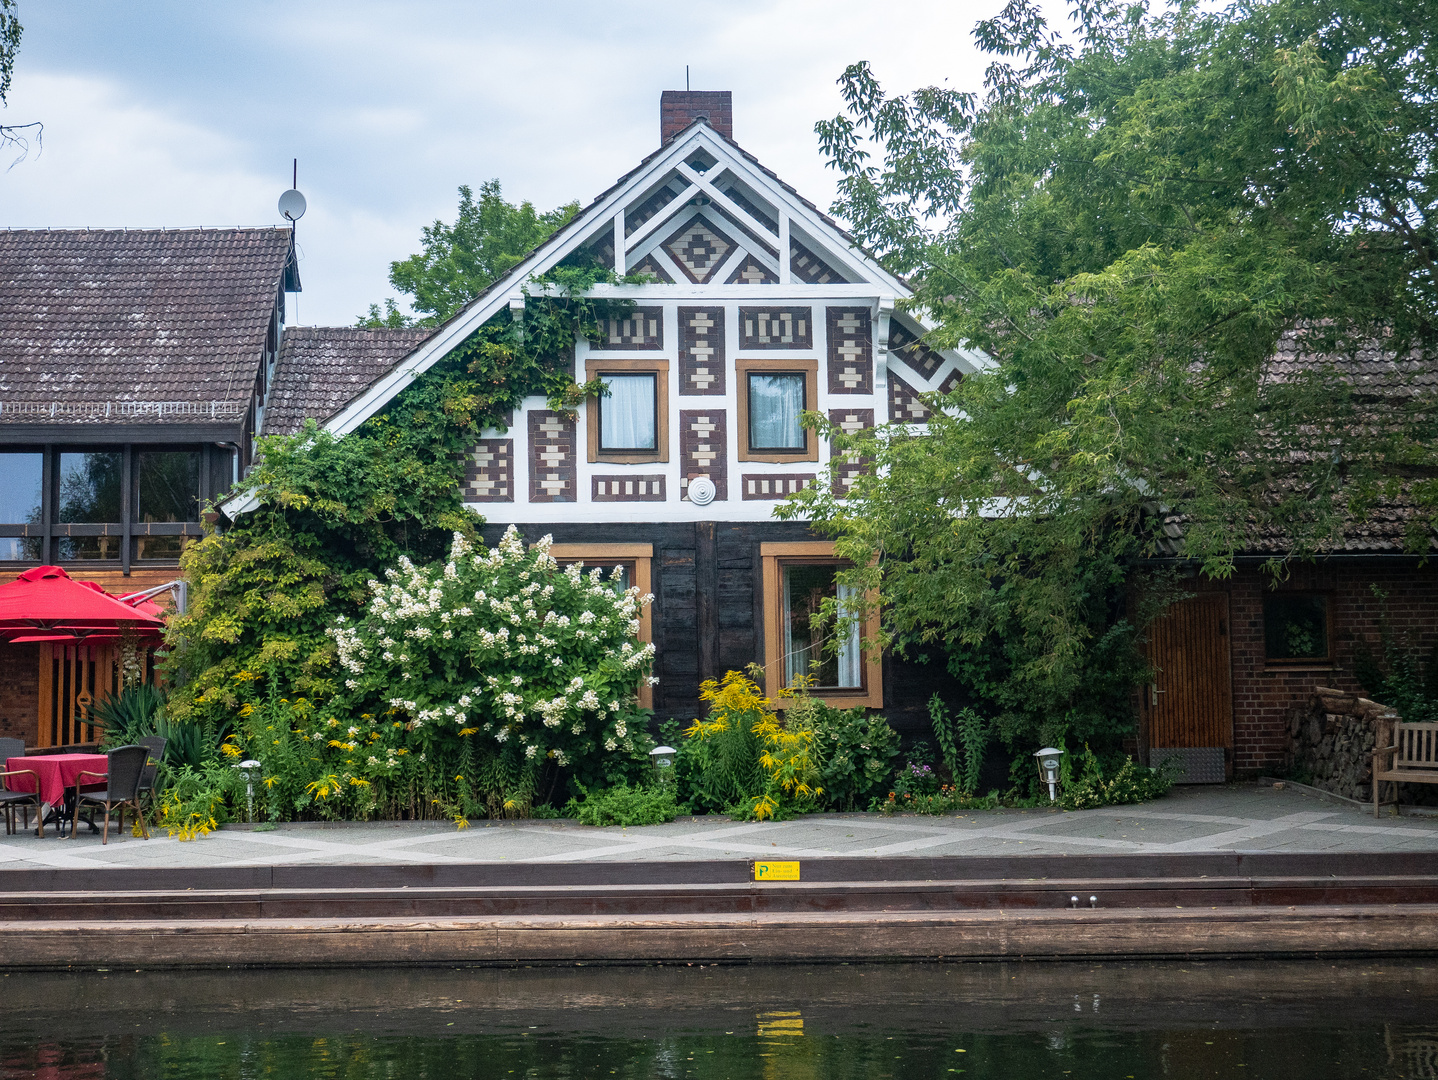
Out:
{"x": 962, "y": 737}
{"x": 129, "y": 715}
{"x": 193, "y": 804}
{"x": 946, "y": 800}
{"x": 744, "y": 761}
{"x": 1395, "y": 674}
{"x": 852, "y": 749}
{"x": 1129, "y": 783}
{"x": 626, "y": 806}
{"x": 915, "y": 779}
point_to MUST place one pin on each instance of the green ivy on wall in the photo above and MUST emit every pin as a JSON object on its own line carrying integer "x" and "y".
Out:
{"x": 335, "y": 511}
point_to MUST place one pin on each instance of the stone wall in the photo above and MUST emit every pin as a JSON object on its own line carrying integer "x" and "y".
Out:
{"x": 1332, "y": 738}
{"x": 20, "y": 692}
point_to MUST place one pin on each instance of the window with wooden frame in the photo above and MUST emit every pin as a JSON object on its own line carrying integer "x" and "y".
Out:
{"x": 1297, "y": 629}
{"x": 635, "y": 560}
{"x": 631, "y": 423}
{"x": 772, "y": 395}
{"x": 798, "y": 578}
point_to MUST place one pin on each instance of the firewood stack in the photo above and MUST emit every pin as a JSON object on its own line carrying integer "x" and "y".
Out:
{"x": 1331, "y": 741}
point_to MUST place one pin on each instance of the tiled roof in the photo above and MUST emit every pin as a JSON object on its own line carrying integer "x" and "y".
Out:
{"x": 1381, "y": 380}
{"x": 322, "y": 367}
{"x": 1372, "y": 370}
{"x": 135, "y": 325}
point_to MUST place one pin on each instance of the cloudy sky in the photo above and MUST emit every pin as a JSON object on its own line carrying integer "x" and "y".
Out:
{"x": 177, "y": 113}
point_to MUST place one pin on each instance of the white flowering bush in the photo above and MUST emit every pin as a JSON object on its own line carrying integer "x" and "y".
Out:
{"x": 487, "y": 668}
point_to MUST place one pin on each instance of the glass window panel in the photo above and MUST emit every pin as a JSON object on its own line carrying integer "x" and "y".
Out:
{"x": 85, "y": 548}
{"x": 805, "y": 589}
{"x": 21, "y": 477}
{"x": 168, "y": 485}
{"x": 19, "y": 549}
{"x": 775, "y": 402}
{"x": 626, "y": 416}
{"x": 159, "y": 547}
{"x": 1295, "y": 627}
{"x": 90, "y": 488}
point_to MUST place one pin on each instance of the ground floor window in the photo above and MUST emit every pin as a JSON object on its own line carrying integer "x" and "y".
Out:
{"x": 1296, "y": 628}
{"x": 798, "y": 578}
{"x": 634, "y": 563}
{"x": 808, "y": 650}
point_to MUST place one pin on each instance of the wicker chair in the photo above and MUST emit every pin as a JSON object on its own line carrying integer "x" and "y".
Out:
{"x": 24, "y": 800}
{"x": 122, "y": 788}
{"x": 155, "y": 744}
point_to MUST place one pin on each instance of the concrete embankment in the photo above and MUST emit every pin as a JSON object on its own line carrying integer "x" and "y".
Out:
{"x": 1209, "y": 904}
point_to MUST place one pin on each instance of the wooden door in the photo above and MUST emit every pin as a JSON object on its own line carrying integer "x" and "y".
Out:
{"x": 1189, "y": 704}
{"x": 73, "y": 678}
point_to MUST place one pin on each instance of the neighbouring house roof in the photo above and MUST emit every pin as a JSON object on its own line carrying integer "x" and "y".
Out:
{"x": 136, "y": 325}
{"x": 322, "y": 367}
{"x": 1385, "y": 385}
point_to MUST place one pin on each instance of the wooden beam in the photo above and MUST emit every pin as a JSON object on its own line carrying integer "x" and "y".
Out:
{"x": 730, "y": 207}
{"x": 666, "y": 213}
{"x": 784, "y": 259}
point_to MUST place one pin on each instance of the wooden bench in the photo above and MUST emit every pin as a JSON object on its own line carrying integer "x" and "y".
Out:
{"x": 1413, "y": 759}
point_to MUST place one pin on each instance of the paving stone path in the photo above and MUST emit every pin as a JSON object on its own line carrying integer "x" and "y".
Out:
{"x": 1236, "y": 817}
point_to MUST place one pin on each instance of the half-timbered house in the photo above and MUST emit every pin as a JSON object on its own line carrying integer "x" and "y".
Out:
{"x": 760, "y": 307}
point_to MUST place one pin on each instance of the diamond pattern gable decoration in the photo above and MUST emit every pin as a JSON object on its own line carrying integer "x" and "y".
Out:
{"x": 699, "y": 248}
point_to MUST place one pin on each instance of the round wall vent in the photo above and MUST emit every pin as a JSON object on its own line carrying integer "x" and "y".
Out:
{"x": 701, "y": 491}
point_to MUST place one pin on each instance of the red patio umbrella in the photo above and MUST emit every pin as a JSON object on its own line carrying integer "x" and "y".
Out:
{"x": 46, "y": 603}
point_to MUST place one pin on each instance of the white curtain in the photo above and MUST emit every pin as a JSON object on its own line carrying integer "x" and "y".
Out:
{"x": 848, "y": 630}
{"x": 627, "y": 420}
{"x": 802, "y": 595}
{"x": 775, "y": 402}
{"x": 798, "y": 648}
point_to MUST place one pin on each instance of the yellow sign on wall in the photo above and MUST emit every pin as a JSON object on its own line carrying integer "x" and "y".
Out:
{"x": 776, "y": 871}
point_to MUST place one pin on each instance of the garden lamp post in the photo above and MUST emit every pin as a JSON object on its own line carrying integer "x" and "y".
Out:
{"x": 249, "y": 766}
{"x": 1048, "y": 760}
{"x": 663, "y": 758}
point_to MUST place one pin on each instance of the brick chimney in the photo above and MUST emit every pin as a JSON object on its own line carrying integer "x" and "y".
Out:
{"x": 680, "y": 108}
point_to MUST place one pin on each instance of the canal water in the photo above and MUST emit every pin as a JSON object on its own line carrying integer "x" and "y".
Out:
{"x": 1016, "y": 1021}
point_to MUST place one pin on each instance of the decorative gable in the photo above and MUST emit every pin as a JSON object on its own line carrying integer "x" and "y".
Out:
{"x": 699, "y": 249}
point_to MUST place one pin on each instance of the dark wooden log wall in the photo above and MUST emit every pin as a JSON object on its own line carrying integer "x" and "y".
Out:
{"x": 708, "y": 610}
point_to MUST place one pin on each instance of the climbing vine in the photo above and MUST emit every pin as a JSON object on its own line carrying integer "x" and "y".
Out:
{"x": 335, "y": 511}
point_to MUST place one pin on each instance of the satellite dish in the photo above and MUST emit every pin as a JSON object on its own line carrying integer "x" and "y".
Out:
{"x": 702, "y": 491}
{"x": 292, "y": 205}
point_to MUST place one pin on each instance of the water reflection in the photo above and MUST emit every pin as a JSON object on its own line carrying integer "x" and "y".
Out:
{"x": 1185, "y": 1021}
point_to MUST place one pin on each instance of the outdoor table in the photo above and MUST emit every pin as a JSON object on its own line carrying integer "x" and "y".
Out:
{"x": 57, "y": 773}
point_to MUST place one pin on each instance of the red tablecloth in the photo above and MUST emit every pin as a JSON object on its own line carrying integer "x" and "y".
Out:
{"x": 57, "y": 772}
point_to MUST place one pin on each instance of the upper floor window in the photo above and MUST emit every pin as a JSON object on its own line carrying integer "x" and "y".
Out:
{"x": 22, "y": 481}
{"x": 773, "y": 396}
{"x": 628, "y": 417}
{"x": 776, "y": 403}
{"x": 631, "y": 422}
{"x": 104, "y": 503}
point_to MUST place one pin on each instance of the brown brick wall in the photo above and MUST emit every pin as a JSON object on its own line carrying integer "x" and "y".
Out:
{"x": 1263, "y": 694}
{"x": 680, "y": 108}
{"x": 19, "y": 692}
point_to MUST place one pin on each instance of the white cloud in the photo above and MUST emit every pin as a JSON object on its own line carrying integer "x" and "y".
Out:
{"x": 182, "y": 114}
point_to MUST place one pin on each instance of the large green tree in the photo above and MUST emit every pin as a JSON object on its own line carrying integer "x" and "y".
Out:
{"x": 459, "y": 261}
{"x": 1130, "y": 222}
